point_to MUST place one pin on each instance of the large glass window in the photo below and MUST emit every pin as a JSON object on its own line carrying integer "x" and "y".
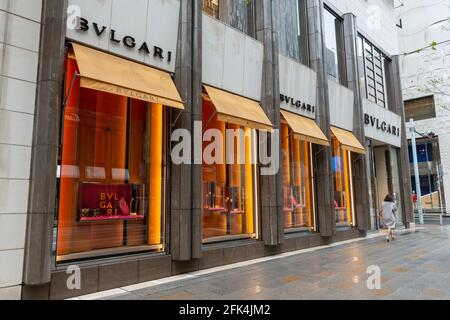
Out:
{"x": 428, "y": 156}
{"x": 334, "y": 47}
{"x": 111, "y": 174}
{"x": 229, "y": 193}
{"x": 293, "y": 30}
{"x": 343, "y": 187}
{"x": 298, "y": 194}
{"x": 239, "y": 14}
{"x": 420, "y": 109}
{"x": 372, "y": 64}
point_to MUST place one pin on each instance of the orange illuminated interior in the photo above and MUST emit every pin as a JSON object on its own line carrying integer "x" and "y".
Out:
{"x": 228, "y": 189}
{"x": 109, "y": 140}
{"x": 343, "y": 197}
{"x": 297, "y": 181}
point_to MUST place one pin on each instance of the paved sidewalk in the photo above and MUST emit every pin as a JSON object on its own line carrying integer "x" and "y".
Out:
{"x": 415, "y": 266}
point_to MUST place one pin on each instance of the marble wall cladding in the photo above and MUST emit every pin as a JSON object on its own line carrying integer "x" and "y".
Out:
{"x": 20, "y": 27}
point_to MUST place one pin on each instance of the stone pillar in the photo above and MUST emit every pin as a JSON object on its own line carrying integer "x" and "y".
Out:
{"x": 271, "y": 192}
{"x": 360, "y": 179}
{"x": 323, "y": 171}
{"x": 42, "y": 192}
{"x": 396, "y": 105}
{"x": 185, "y": 202}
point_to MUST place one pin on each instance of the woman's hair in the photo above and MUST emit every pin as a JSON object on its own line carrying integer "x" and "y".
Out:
{"x": 389, "y": 198}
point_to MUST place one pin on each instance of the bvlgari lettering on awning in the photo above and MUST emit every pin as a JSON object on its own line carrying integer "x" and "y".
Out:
{"x": 297, "y": 103}
{"x": 127, "y": 40}
{"x": 381, "y": 125}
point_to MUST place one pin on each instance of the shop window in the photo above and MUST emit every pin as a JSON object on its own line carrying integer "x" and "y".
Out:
{"x": 420, "y": 109}
{"x": 334, "y": 47}
{"x": 293, "y": 30}
{"x": 112, "y": 173}
{"x": 239, "y": 14}
{"x": 343, "y": 188}
{"x": 229, "y": 192}
{"x": 430, "y": 171}
{"x": 372, "y": 63}
{"x": 297, "y": 181}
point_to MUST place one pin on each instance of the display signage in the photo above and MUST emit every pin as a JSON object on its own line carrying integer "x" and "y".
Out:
{"x": 381, "y": 124}
{"x": 145, "y": 31}
{"x": 298, "y": 88}
{"x": 297, "y": 104}
{"x": 103, "y": 202}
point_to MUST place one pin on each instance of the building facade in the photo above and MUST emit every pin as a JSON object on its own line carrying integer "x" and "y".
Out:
{"x": 173, "y": 136}
{"x": 19, "y": 55}
{"x": 424, "y": 61}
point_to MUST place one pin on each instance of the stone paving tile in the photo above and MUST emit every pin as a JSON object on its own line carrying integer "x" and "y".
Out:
{"x": 415, "y": 266}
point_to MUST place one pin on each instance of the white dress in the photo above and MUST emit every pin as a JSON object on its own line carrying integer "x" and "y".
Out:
{"x": 389, "y": 210}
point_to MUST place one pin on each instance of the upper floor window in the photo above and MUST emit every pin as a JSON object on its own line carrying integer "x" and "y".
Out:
{"x": 293, "y": 30}
{"x": 211, "y": 7}
{"x": 239, "y": 14}
{"x": 334, "y": 47}
{"x": 373, "y": 66}
{"x": 420, "y": 109}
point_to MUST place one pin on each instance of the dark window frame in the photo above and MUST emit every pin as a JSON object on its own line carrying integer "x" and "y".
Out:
{"x": 340, "y": 44}
{"x": 375, "y": 72}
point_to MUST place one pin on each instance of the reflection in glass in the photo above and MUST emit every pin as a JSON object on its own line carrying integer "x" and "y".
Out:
{"x": 292, "y": 30}
{"x": 111, "y": 190}
{"x": 343, "y": 193}
{"x": 332, "y": 27}
{"x": 228, "y": 186}
{"x": 297, "y": 181}
{"x": 239, "y": 14}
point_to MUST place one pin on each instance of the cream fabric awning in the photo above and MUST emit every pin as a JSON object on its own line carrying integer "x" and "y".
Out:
{"x": 305, "y": 129}
{"x": 108, "y": 73}
{"x": 238, "y": 110}
{"x": 348, "y": 140}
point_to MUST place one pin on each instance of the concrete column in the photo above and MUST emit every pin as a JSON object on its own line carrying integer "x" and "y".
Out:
{"x": 361, "y": 183}
{"x": 271, "y": 195}
{"x": 186, "y": 179}
{"x": 396, "y": 105}
{"x": 323, "y": 171}
{"x": 42, "y": 193}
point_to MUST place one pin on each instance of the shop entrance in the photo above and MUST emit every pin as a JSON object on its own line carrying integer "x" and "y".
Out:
{"x": 386, "y": 180}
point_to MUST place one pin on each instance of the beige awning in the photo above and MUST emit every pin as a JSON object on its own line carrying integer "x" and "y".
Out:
{"x": 108, "y": 73}
{"x": 305, "y": 129}
{"x": 238, "y": 110}
{"x": 348, "y": 140}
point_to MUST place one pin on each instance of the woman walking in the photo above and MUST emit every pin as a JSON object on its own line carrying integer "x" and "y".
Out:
{"x": 389, "y": 219}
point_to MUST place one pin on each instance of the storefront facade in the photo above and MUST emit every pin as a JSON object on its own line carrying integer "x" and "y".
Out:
{"x": 126, "y": 206}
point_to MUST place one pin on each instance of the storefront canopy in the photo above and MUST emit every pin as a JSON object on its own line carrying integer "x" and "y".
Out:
{"x": 305, "y": 129}
{"x": 238, "y": 110}
{"x": 348, "y": 140}
{"x": 108, "y": 73}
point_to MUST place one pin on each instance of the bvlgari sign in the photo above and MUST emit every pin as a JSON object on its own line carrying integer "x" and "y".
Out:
{"x": 381, "y": 124}
{"x": 298, "y": 87}
{"x": 127, "y": 40}
{"x": 145, "y": 31}
{"x": 297, "y": 104}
